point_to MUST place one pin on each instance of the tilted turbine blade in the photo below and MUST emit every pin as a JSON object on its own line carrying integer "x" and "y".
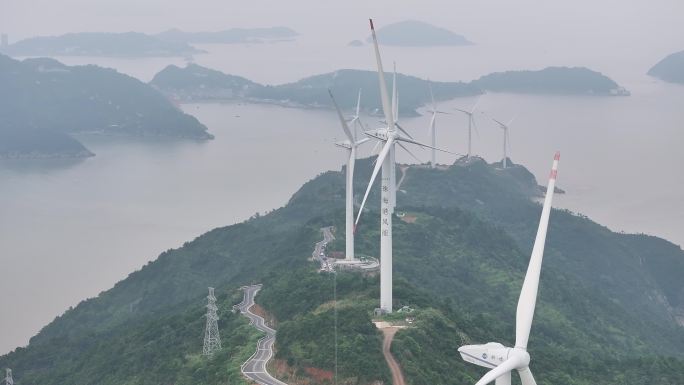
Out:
{"x": 464, "y": 111}
{"x": 402, "y": 130}
{"x": 476, "y": 104}
{"x": 360, "y": 142}
{"x": 375, "y": 148}
{"x": 410, "y": 153}
{"x": 407, "y": 140}
{"x": 503, "y": 368}
{"x": 526, "y": 376}
{"x": 386, "y": 106}
{"x": 347, "y": 131}
{"x": 378, "y": 165}
{"x": 528, "y": 294}
{"x": 498, "y": 122}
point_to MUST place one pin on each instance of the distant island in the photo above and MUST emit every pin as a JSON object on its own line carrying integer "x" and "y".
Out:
{"x": 230, "y": 36}
{"x": 552, "y": 80}
{"x": 44, "y": 101}
{"x": 126, "y": 44}
{"x": 413, "y": 33}
{"x": 670, "y": 69}
{"x": 195, "y": 83}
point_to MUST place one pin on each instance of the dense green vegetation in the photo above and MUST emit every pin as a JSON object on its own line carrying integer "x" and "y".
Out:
{"x": 606, "y": 313}
{"x": 413, "y": 33}
{"x": 44, "y": 101}
{"x": 99, "y": 44}
{"x": 230, "y": 36}
{"x": 552, "y": 80}
{"x": 670, "y": 69}
{"x": 196, "y": 83}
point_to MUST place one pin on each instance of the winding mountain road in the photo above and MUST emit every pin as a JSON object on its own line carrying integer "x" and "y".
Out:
{"x": 255, "y": 367}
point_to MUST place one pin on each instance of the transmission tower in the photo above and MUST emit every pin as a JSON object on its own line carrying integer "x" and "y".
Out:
{"x": 212, "y": 340}
{"x": 8, "y": 377}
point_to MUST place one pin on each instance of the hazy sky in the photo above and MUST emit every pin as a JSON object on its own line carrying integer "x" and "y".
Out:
{"x": 605, "y": 21}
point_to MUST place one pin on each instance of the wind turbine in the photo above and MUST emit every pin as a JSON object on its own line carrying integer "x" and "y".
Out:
{"x": 389, "y": 137}
{"x": 351, "y": 144}
{"x": 471, "y": 123}
{"x": 501, "y": 359}
{"x": 506, "y": 138}
{"x": 432, "y": 130}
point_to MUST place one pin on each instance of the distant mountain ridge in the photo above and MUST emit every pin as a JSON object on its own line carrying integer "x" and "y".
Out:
{"x": 44, "y": 101}
{"x": 197, "y": 83}
{"x": 414, "y": 33}
{"x": 670, "y": 69}
{"x": 127, "y": 44}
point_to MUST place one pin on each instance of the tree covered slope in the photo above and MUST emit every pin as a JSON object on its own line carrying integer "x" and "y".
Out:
{"x": 606, "y": 312}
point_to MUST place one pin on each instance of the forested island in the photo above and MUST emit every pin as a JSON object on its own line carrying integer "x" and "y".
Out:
{"x": 197, "y": 83}
{"x": 670, "y": 69}
{"x": 127, "y": 44}
{"x": 607, "y": 312}
{"x": 44, "y": 101}
{"x": 414, "y": 33}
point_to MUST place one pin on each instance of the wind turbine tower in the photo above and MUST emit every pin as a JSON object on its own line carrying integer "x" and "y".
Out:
{"x": 471, "y": 124}
{"x": 212, "y": 339}
{"x": 433, "y": 130}
{"x": 506, "y": 138}
{"x": 503, "y": 360}
{"x": 389, "y": 137}
{"x": 351, "y": 144}
{"x": 8, "y": 377}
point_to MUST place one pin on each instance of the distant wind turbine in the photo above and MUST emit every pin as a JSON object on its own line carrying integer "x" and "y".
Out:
{"x": 501, "y": 359}
{"x": 471, "y": 124}
{"x": 432, "y": 130}
{"x": 351, "y": 144}
{"x": 506, "y": 138}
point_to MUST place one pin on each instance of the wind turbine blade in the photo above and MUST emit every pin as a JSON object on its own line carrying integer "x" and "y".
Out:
{"x": 358, "y": 104}
{"x": 432, "y": 96}
{"x": 526, "y": 376}
{"x": 410, "y": 153}
{"x": 395, "y": 95}
{"x": 402, "y": 130}
{"x": 464, "y": 111}
{"x": 512, "y": 119}
{"x": 347, "y": 131}
{"x": 407, "y": 140}
{"x": 508, "y": 141}
{"x": 386, "y": 106}
{"x": 362, "y": 141}
{"x": 498, "y": 122}
{"x": 477, "y": 132}
{"x": 503, "y": 368}
{"x": 376, "y": 147}
{"x": 378, "y": 165}
{"x": 476, "y": 104}
{"x": 528, "y": 294}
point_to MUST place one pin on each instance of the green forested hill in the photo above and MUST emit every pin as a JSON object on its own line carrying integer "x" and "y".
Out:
{"x": 606, "y": 313}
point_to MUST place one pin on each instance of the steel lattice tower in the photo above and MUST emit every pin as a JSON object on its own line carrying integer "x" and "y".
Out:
{"x": 212, "y": 339}
{"x": 8, "y": 377}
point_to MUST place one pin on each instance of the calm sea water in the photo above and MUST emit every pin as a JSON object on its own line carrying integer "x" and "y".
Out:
{"x": 70, "y": 229}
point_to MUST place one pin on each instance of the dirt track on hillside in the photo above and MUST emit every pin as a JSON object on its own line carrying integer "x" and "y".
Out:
{"x": 397, "y": 376}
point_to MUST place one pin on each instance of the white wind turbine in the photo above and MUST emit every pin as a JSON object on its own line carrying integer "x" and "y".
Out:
{"x": 471, "y": 124}
{"x": 501, "y": 359}
{"x": 506, "y": 138}
{"x": 351, "y": 144}
{"x": 388, "y": 136}
{"x": 432, "y": 130}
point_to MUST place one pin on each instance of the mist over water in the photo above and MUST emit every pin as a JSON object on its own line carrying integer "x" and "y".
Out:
{"x": 72, "y": 228}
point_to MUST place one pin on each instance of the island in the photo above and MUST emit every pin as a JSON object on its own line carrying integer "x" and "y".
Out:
{"x": 128, "y": 44}
{"x": 552, "y": 80}
{"x": 670, "y": 69}
{"x": 44, "y": 101}
{"x": 230, "y": 36}
{"x": 606, "y": 311}
{"x": 195, "y": 83}
{"x": 413, "y": 33}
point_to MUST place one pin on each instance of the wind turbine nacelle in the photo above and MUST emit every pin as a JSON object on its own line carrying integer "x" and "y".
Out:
{"x": 489, "y": 355}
